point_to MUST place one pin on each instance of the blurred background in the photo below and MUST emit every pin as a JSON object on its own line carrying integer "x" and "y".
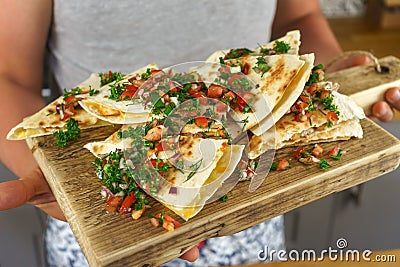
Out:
{"x": 366, "y": 216}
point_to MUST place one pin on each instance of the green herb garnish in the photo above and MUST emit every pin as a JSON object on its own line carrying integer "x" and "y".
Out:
{"x": 239, "y": 52}
{"x": 338, "y": 156}
{"x": 93, "y": 91}
{"x": 281, "y": 47}
{"x": 224, "y": 198}
{"x": 116, "y": 91}
{"x": 106, "y": 78}
{"x": 323, "y": 164}
{"x": 195, "y": 167}
{"x": 146, "y": 75}
{"x": 73, "y": 92}
{"x": 273, "y": 167}
{"x": 70, "y": 134}
{"x": 261, "y": 66}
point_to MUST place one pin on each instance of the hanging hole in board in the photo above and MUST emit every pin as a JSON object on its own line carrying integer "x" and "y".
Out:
{"x": 383, "y": 70}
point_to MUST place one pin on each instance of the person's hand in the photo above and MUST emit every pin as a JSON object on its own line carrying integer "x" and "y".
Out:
{"x": 31, "y": 188}
{"x": 382, "y": 109}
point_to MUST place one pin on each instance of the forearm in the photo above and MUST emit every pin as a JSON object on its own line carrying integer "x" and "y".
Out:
{"x": 316, "y": 35}
{"x": 16, "y": 103}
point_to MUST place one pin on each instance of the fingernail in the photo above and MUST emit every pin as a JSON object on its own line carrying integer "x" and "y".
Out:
{"x": 395, "y": 97}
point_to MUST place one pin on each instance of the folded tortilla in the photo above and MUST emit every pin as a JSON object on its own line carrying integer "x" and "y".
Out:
{"x": 289, "y": 97}
{"x": 117, "y": 112}
{"x": 47, "y": 120}
{"x": 289, "y": 132}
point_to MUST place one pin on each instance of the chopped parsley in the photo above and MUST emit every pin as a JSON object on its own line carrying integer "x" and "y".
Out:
{"x": 313, "y": 79}
{"x": 273, "y": 166}
{"x": 261, "y": 66}
{"x": 116, "y": 91}
{"x": 239, "y": 52}
{"x": 323, "y": 164}
{"x": 106, "y": 78}
{"x": 70, "y": 134}
{"x": 281, "y": 47}
{"x": 195, "y": 167}
{"x": 73, "y": 92}
{"x": 224, "y": 198}
{"x": 93, "y": 91}
{"x": 146, "y": 75}
{"x": 338, "y": 155}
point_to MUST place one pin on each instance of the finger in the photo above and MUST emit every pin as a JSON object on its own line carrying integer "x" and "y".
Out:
{"x": 392, "y": 96}
{"x": 381, "y": 110}
{"x": 358, "y": 60}
{"x": 12, "y": 194}
{"x": 191, "y": 255}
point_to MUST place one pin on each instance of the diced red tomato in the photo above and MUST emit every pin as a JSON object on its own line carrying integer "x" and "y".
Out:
{"x": 170, "y": 219}
{"x": 325, "y": 94}
{"x": 215, "y": 91}
{"x": 283, "y": 164}
{"x": 332, "y": 117}
{"x": 246, "y": 68}
{"x": 230, "y": 95}
{"x": 197, "y": 95}
{"x": 317, "y": 151}
{"x": 312, "y": 89}
{"x": 304, "y": 98}
{"x": 299, "y": 153}
{"x": 114, "y": 203}
{"x": 334, "y": 151}
{"x": 162, "y": 146}
{"x": 241, "y": 104}
{"x": 201, "y": 121}
{"x": 127, "y": 203}
{"x": 127, "y": 95}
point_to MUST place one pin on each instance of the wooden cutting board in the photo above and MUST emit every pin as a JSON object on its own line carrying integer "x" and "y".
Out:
{"x": 111, "y": 239}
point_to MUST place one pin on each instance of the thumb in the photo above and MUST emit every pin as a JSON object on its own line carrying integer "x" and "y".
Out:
{"x": 13, "y": 194}
{"x": 349, "y": 61}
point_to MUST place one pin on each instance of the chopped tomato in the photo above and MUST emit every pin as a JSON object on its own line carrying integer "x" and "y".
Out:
{"x": 169, "y": 226}
{"x": 127, "y": 203}
{"x": 197, "y": 95}
{"x": 332, "y": 117}
{"x": 201, "y": 121}
{"x": 215, "y": 91}
{"x": 230, "y": 95}
{"x": 299, "y": 153}
{"x": 283, "y": 164}
{"x": 246, "y": 68}
{"x": 241, "y": 104}
{"x": 162, "y": 146}
{"x": 113, "y": 203}
{"x": 334, "y": 151}
{"x": 305, "y": 98}
{"x": 325, "y": 94}
{"x": 154, "y": 163}
{"x": 312, "y": 89}
{"x": 233, "y": 78}
{"x": 170, "y": 219}
{"x": 317, "y": 151}
{"x": 127, "y": 95}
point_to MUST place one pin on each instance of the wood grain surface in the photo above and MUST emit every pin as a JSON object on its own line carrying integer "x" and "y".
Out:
{"x": 110, "y": 239}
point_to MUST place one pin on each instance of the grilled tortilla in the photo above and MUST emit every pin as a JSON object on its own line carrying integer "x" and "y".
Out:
{"x": 47, "y": 120}
{"x": 288, "y": 132}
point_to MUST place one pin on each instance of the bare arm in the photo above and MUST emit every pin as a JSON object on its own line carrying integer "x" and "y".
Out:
{"x": 24, "y": 27}
{"x": 316, "y": 34}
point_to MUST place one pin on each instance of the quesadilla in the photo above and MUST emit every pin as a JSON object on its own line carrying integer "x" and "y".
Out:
{"x": 321, "y": 125}
{"x": 116, "y": 103}
{"x": 54, "y": 116}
